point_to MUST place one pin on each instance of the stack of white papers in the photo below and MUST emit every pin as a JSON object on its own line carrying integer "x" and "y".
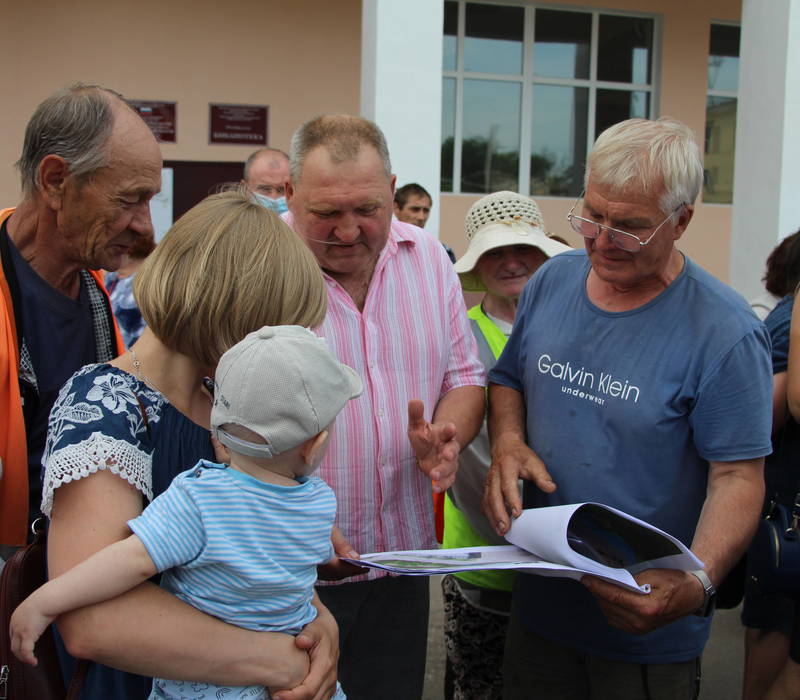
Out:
{"x": 569, "y": 541}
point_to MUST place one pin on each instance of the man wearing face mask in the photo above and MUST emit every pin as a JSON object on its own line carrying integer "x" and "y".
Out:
{"x": 265, "y": 173}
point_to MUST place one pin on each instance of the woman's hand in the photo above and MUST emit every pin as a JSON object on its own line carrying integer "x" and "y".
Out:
{"x": 320, "y": 639}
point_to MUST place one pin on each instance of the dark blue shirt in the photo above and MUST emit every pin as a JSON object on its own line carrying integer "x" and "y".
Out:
{"x": 59, "y": 335}
{"x": 782, "y": 467}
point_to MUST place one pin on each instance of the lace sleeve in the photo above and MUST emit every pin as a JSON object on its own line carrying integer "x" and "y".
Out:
{"x": 96, "y": 423}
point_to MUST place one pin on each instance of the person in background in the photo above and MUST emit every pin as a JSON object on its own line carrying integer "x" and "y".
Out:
{"x": 784, "y": 667}
{"x": 265, "y": 174}
{"x": 89, "y": 167}
{"x": 635, "y": 379}
{"x": 768, "y": 618}
{"x": 775, "y": 278}
{"x": 507, "y": 244}
{"x": 412, "y": 205}
{"x": 396, "y": 315}
{"x": 120, "y": 289}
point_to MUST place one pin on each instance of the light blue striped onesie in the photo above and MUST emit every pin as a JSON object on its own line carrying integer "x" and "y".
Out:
{"x": 241, "y": 550}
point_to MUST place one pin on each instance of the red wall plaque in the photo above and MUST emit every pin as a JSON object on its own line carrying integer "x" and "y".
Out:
{"x": 238, "y": 124}
{"x": 159, "y": 116}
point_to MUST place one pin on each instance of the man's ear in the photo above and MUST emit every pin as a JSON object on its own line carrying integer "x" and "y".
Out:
{"x": 288, "y": 191}
{"x": 684, "y": 218}
{"x": 311, "y": 447}
{"x": 52, "y": 174}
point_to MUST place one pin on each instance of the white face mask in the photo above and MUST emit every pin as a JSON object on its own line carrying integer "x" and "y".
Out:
{"x": 278, "y": 205}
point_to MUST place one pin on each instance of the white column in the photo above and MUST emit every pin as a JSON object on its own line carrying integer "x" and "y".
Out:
{"x": 766, "y": 188}
{"x": 401, "y": 87}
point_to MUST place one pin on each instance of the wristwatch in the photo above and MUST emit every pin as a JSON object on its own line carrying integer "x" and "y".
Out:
{"x": 710, "y": 600}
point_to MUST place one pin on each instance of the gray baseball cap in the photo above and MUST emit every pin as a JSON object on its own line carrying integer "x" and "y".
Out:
{"x": 284, "y": 384}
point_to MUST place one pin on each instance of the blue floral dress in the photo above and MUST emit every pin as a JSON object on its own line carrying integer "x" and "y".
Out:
{"x": 97, "y": 423}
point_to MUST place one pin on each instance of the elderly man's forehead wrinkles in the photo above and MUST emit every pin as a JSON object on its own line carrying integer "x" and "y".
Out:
{"x": 143, "y": 192}
{"x": 323, "y": 207}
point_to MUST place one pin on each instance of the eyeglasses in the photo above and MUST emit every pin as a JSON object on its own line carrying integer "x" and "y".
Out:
{"x": 625, "y": 240}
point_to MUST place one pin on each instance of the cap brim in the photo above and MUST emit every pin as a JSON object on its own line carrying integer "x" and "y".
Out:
{"x": 354, "y": 382}
{"x": 500, "y": 235}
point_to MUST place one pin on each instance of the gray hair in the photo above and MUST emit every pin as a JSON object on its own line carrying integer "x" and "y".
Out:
{"x": 342, "y": 135}
{"x": 74, "y": 123}
{"x": 658, "y": 157}
{"x": 257, "y": 154}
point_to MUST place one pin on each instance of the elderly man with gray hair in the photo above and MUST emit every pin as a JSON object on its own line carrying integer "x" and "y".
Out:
{"x": 89, "y": 168}
{"x": 636, "y": 379}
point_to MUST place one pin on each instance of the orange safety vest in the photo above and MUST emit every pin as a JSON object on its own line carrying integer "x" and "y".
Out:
{"x": 13, "y": 444}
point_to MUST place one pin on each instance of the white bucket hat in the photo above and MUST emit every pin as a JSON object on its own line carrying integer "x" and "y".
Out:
{"x": 497, "y": 220}
{"x": 282, "y": 383}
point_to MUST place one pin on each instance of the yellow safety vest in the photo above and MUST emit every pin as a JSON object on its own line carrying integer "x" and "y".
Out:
{"x": 457, "y": 530}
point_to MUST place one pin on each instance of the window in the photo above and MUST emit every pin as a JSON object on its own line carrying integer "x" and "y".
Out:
{"x": 527, "y": 89}
{"x": 720, "y": 141}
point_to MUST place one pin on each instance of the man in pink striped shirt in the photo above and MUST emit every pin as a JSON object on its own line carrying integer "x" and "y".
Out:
{"x": 397, "y": 316}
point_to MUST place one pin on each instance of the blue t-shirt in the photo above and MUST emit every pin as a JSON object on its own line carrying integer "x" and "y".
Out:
{"x": 248, "y": 551}
{"x": 97, "y": 420}
{"x": 241, "y": 550}
{"x": 627, "y": 409}
{"x": 778, "y": 323}
{"x": 782, "y": 467}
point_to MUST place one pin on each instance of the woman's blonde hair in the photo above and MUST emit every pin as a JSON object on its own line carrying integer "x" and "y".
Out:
{"x": 227, "y": 267}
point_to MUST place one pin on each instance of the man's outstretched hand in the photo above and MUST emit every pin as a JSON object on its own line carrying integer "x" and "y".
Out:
{"x": 435, "y": 446}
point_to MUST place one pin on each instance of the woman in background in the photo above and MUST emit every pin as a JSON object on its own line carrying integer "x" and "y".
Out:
{"x": 776, "y": 279}
{"x": 768, "y": 618}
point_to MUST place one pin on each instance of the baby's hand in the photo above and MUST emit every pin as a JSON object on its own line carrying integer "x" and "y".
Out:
{"x": 27, "y": 625}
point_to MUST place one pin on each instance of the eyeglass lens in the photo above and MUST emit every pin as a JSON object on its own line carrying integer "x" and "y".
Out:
{"x": 590, "y": 229}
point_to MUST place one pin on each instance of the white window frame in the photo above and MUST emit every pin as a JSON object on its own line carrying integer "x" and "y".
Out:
{"x": 527, "y": 79}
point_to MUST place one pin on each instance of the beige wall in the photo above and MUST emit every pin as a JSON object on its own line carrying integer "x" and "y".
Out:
{"x": 301, "y": 58}
{"x": 683, "y": 61}
{"x": 252, "y": 52}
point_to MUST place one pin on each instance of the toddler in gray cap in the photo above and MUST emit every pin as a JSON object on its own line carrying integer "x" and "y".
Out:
{"x": 240, "y": 541}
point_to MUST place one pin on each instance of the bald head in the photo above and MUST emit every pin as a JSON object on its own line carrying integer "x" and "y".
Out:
{"x": 266, "y": 172}
{"x": 75, "y": 124}
{"x": 343, "y": 136}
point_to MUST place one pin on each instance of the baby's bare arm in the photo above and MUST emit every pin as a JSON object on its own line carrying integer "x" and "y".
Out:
{"x": 106, "y": 574}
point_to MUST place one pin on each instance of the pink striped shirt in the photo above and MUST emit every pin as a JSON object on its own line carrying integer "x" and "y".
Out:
{"x": 411, "y": 341}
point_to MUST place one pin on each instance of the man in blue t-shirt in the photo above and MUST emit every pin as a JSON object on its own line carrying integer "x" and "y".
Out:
{"x": 632, "y": 378}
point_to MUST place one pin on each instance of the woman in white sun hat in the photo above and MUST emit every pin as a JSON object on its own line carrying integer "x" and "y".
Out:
{"x": 507, "y": 244}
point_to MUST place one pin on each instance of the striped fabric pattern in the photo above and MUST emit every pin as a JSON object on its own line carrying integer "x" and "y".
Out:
{"x": 411, "y": 341}
{"x": 242, "y": 550}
